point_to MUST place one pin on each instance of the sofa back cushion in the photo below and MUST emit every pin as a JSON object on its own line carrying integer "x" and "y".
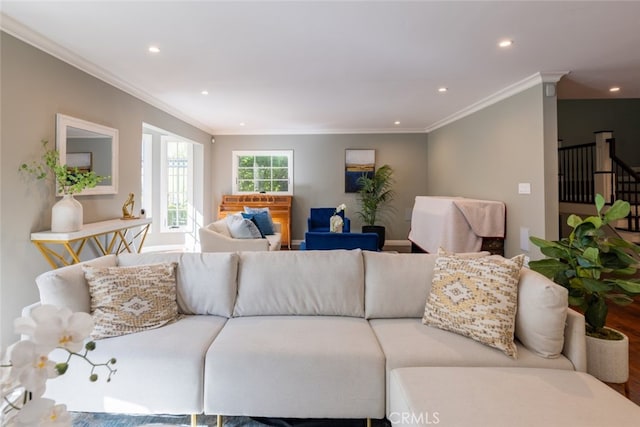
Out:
{"x": 327, "y": 283}
{"x": 397, "y": 285}
{"x": 67, "y": 286}
{"x": 205, "y": 282}
{"x": 541, "y": 315}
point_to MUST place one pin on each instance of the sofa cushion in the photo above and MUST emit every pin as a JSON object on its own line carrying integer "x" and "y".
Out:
{"x": 131, "y": 299}
{"x": 67, "y": 286}
{"x": 396, "y": 285}
{"x": 477, "y": 298}
{"x": 295, "y": 367}
{"x": 505, "y": 397}
{"x": 220, "y": 226}
{"x": 206, "y": 282}
{"x": 160, "y": 371}
{"x": 327, "y": 283}
{"x": 542, "y": 312}
{"x": 242, "y": 228}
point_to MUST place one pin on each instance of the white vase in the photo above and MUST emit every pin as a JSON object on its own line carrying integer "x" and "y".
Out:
{"x": 608, "y": 360}
{"x": 66, "y": 215}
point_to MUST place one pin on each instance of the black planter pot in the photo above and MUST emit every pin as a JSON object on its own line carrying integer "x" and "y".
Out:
{"x": 379, "y": 230}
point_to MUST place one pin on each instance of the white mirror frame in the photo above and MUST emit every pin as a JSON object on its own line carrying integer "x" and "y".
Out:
{"x": 63, "y": 123}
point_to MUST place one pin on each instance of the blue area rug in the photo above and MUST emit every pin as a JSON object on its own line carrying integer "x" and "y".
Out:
{"x": 82, "y": 419}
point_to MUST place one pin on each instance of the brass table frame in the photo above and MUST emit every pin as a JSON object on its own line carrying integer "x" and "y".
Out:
{"x": 119, "y": 236}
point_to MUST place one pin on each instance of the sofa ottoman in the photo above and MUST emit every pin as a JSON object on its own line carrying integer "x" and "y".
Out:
{"x": 505, "y": 397}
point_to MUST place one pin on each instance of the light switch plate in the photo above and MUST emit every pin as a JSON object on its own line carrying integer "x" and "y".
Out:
{"x": 524, "y": 188}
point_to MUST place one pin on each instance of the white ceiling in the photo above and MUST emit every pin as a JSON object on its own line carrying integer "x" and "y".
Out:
{"x": 337, "y": 66}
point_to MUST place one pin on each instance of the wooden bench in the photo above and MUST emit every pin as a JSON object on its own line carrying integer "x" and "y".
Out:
{"x": 279, "y": 207}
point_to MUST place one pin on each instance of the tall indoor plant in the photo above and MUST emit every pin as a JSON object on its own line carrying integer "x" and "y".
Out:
{"x": 596, "y": 269}
{"x": 66, "y": 214}
{"x": 375, "y": 192}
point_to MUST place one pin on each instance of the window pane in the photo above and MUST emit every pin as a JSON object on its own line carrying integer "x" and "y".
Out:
{"x": 280, "y": 173}
{"x": 245, "y": 173}
{"x": 245, "y": 161}
{"x": 280, "y": 161}
{"x": 264, "y": 185}
{"x": 246, "y": 186}
{"x": 280, "y": 186}
{"x": 263, "y": 161}
{"x": 264, "y": 173}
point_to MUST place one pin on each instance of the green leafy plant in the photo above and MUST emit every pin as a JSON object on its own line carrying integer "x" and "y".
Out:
{"x": 69, "y": 180}
{"x": 375, "y": 193}
{"x": 594, "y": 267}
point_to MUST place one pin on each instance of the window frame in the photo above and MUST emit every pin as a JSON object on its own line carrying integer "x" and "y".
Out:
{"x": 235, "y": 181}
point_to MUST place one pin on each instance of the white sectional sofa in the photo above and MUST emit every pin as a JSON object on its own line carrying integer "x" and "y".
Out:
{"x": 305, "y": 334}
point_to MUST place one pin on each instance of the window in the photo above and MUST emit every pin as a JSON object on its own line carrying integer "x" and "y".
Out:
{"x": 263, "y": 171}
{"x": 177, "y": 183}
{"x": 172, "y": 168}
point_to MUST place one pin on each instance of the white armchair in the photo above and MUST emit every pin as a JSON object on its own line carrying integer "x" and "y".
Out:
{"x": 215, "y": 237}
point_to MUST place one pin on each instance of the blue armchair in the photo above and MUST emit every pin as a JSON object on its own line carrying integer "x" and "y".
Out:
{"x": 318, "y": 220}
{"x": 326, "y": 241}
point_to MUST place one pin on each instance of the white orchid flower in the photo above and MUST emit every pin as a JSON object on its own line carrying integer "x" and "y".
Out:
{"x": 31, "y": 367}
{"x": 341, "y": 207}
{"x": 52, "y": 327}
{"x": 41, "y": 412}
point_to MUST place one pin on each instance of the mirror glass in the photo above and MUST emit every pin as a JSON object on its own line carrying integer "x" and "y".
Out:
{"x": 90, "y": 147}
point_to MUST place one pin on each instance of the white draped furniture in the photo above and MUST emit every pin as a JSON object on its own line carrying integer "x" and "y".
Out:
{"x": 457, "y": 224}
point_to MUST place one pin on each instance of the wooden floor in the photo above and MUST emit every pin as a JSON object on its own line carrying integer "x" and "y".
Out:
{"x": 627, "y": 320}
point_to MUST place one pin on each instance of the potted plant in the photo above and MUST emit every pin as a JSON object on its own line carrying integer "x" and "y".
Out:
{"x": 375, "y": 193}
{"x": 66, "y": 214}
{"x": 595, "y": 269}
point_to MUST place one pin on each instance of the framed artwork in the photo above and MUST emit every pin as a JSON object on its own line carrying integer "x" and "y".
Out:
{"x": 356, "y": 164}
{"x": 82, "y": 161}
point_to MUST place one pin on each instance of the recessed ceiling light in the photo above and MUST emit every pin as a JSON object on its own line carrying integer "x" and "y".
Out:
{"x": 241, "y": 123}
{"x": 505, "y": 43}
{"x": 205, "y": 92}
{"x": 442, "y": 89}
{"x": 397, "y": 122}
{"x": 154, "y": 49}
{"x": 614, "y": 89}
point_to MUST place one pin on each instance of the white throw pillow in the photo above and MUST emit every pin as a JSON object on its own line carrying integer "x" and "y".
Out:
{"x": 242, "y": 228}
{"x": 542, "y": 313}
{"x": 131, "y": 299}
{"x": 476, "y": 298}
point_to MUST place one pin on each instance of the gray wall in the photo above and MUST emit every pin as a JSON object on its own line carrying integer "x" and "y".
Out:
{"x": 35, "y": 86}
{"x": 319, "y": 172}
{"x": 579, "y": 119}
{"x": 486, "y": 155}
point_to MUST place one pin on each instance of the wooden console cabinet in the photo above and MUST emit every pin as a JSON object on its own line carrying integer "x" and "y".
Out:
{"x": 279, "y": 207}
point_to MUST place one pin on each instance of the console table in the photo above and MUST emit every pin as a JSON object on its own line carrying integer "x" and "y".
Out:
{"x": 279, "y": 207}
{"x": 118, "y": 235}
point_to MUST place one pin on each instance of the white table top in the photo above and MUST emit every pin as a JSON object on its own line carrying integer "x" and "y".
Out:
{"x": 91, "y": 229}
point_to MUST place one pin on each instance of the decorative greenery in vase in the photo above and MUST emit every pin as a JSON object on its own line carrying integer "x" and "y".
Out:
{"x": 69, "y": 180}
{"x": 375, "y": 193}
{"x": 594, "y": 267}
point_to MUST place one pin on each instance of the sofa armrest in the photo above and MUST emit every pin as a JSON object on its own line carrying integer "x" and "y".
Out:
{"x": 211, "y": 241}
{"x": 575, "y": 343}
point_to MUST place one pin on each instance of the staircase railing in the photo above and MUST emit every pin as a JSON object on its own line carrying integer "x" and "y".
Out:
{"x": 626, "y": 183}
{"x": 576, "y": 169}
{"x": 579, "y": 179}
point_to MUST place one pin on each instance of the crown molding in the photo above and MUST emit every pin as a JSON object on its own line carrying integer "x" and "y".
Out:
{"x": 318, "y": 131}
{"x": 37, "y": 40}
{"x": 522, "y": 85}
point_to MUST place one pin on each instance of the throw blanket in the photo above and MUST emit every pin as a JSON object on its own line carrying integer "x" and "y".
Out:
{"x": 455, "y": 224}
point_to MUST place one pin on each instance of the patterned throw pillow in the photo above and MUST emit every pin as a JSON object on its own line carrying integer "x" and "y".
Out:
{"x": 476, "y": 298}
{"x": 131, "y": 299}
